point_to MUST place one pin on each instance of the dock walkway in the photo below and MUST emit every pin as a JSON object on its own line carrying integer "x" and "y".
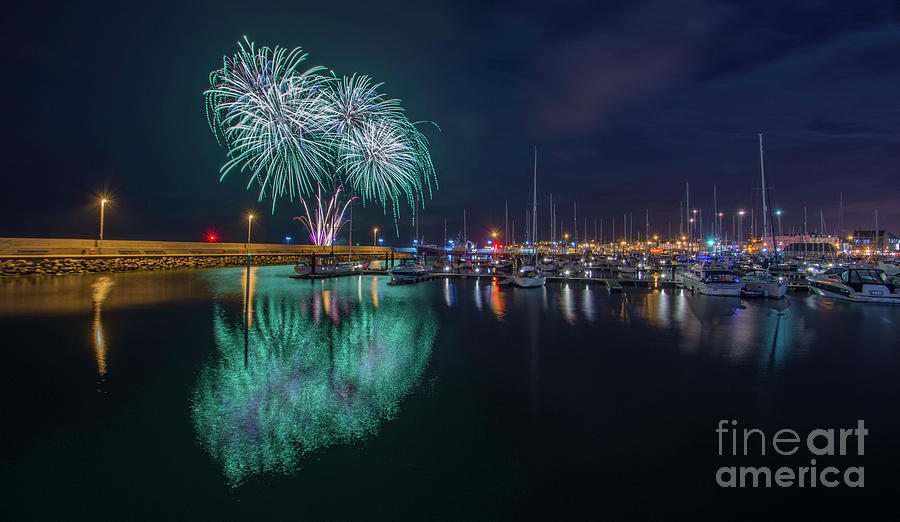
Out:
{"x": 613, "y": 285}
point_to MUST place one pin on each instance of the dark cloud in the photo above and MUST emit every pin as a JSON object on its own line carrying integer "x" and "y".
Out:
{"x": 842, "y": 128}
{"x": 584, "y": 77}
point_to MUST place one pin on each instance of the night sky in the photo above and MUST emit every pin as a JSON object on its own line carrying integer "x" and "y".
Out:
{"x": 625, "y": 101}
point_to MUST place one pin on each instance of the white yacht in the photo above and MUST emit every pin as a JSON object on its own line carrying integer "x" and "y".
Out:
{"x": 861, "y": 285}
{"x": 409, "y": 269}
{"x": 758, "y": 283}
{"x": 712, "y": 279}
{"x": 530, "y": 277}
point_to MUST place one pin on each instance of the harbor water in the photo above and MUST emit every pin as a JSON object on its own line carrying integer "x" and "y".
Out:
{"x": 218, "y": 394}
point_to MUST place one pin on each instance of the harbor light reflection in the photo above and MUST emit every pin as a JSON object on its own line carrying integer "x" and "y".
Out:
{"x": 100, "y": 291}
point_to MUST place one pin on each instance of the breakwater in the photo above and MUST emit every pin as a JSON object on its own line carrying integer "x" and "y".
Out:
{"x": 39, "y": 256}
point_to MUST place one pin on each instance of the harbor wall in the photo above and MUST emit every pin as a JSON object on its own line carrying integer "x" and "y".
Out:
{"x": 42, "y": 256}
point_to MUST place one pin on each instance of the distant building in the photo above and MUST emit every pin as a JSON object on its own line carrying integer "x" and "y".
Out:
{"x": 863, "y": 240}
{"x": 807, "y": 244}
{"x": 800, "y": 249}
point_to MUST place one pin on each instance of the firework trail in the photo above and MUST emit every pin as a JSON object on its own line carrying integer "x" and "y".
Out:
{"x": 325, "y": 223}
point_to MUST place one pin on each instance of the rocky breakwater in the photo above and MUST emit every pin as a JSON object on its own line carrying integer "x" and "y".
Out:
{"x": 26, "y": 266}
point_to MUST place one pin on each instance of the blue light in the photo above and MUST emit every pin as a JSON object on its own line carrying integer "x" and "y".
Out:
{"x": 381, "y": 240}
{"x": 287, "y": 239}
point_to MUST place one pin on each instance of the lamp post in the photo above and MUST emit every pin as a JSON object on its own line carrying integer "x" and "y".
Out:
{"x": 778, "y": 215}
{"x": 741, "y": 229}
{"x": 375, "y": 236}
{"x": 691, "y": 235}
{"x": 103, "y": 202}
{"x": 249, "y": 223}
{"x": 102, "y": 208}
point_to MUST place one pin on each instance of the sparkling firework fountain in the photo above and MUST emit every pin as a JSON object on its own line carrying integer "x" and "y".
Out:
{"x": 325, "y": 223}
{"x": 292, "y": 128}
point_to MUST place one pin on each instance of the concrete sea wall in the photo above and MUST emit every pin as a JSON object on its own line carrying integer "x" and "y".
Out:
{"x": 38, "y": 256}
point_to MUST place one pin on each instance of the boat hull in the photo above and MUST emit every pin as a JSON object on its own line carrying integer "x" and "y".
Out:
{"x": 717, "y": 289}
{"x": 530, "y": 282}
{"x": 771, "y": 289}
{"x": 842, "y": 294}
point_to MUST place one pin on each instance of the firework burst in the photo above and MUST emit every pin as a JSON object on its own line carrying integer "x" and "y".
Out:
{"x": 352, "y": 102}
{"x": 292, "y": 128}
{"x": 270, "y": 116}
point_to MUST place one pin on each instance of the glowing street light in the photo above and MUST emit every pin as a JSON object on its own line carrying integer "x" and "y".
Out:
{"x": 249, "y": 223}
{"x": 375, "y": 236}
{"x": 103, "y": 202}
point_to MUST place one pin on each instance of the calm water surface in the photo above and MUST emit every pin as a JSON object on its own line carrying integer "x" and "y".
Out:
{"x": 162, "y": 394}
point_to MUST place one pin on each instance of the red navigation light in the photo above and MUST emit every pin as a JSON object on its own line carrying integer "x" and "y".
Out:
{"x": 211, "y": 237}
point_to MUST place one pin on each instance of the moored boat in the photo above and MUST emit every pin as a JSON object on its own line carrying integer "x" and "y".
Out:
{"x": 861, "y": 285}
{"x": 409, "y": 269}
{"x": 530, "y": 277}
{"x": 710, "y": 279}
{"x": 763, "y": 284}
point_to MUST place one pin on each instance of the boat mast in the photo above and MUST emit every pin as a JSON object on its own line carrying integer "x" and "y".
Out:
{"x": 876, "y": 234}
{"x": 534, "y": 207}
{"x": 762, "y": 171}
{"x": 841, "y": 220}
{"x": 687, "y": 211}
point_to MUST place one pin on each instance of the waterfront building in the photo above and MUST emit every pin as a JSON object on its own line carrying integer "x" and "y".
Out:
{"x": 867, "y": 241}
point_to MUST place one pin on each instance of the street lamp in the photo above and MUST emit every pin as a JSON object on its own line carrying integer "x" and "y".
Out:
{"x": 249, "y": 223}
{"x": 778, "y": 215}
{"x": 102, "y": 208}
{"x": 375, "y": 236}
{"x": 741, "y": 228}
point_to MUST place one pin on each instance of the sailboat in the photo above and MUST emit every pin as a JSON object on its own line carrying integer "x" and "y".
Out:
{"x": 530, "y": 276}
